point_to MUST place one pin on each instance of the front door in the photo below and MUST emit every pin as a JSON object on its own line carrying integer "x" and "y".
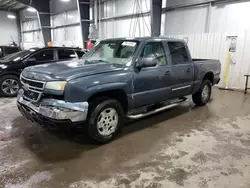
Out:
{"x": 150, "y": 83}
{"x": 182, "y": 70}
{"x": 41, "y": 57}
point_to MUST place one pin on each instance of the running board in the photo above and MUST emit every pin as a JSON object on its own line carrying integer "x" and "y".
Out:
{"x": 137, "y": 116}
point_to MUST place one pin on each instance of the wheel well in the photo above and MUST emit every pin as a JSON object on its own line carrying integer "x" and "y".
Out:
{"x": 209, "y": 76}
{"x": 9, "y": 74}
{"x": 117, "y": 94}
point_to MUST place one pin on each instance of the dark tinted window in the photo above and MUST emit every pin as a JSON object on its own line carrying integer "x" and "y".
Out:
{"x": 156, "y": 50}
{"x": 66, "y": 54}
{"x": 10, "y": 50}
{"x": 46, "y": 55}
{"x": 178, "y": 53}
{"x": 17, "y": 56}
{"x": 80, "y": 53}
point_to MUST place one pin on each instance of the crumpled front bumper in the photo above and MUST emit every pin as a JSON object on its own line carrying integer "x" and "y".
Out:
{"x": 53, "y": 109}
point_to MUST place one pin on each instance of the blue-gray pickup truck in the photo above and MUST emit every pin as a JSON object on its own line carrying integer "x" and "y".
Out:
{"x": 119, "y": 78}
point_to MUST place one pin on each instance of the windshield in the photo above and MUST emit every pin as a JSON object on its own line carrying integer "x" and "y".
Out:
{"x": 113, "y": 51}
{"x": 16, "y": 56}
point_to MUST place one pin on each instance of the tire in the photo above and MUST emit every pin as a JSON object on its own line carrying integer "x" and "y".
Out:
{"x": 9, "y": 85}
{"x": 200, "y": 99}
{"x": 103, "y": 114}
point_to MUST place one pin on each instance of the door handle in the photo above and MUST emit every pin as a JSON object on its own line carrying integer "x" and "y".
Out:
{"x": 167, "y": 73}
{"x": 188, "y": 70}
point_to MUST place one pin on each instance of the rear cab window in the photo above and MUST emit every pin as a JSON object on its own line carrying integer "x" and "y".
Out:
{"x": 178, "y": 53}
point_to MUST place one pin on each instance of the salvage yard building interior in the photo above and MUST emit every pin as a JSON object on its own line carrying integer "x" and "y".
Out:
{"x": 124, "y": 93}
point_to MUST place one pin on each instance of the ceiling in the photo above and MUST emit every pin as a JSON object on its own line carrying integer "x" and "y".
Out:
{"x": 11, "y": 5}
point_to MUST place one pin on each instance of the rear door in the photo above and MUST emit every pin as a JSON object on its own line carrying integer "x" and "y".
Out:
{"x": 66, "y": 54}
{"x": 150, "y": 83}
{"x": 181, "y": 69}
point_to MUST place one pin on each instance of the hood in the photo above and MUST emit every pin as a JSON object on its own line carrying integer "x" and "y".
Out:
{"x": 69, "y": 70}
{"x": 2, "y": 62}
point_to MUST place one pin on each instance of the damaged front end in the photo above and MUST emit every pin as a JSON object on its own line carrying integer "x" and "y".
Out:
{"x": 34, "y": 105}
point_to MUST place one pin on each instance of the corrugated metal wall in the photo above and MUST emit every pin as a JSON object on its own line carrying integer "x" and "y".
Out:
{"x": 32, "y": 38}
{"x": 8, "y": 29}
{"x": 68, "y": 32}
{"x": 127, "y": 27}
{"x": 231, "y": 17}
{"x": 216, "y": 46}
{"x": 31, "y": 30}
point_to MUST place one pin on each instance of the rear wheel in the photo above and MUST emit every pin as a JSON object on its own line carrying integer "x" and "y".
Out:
{"x": 104, "y": 120}
{"x": 9, "y": 85}
{"x": 202, "y": 96}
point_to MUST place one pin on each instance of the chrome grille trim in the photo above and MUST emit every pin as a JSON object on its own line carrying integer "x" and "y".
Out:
{"x": 42, "y": 88}
{"x": 38, "y": 90}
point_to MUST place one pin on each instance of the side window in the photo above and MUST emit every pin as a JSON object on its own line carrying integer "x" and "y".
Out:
{"x": 106, "y": 50}
{"x": 46, "y": 55}
{"x": 126, "y": 51}
{"x": 80, "y": 53}
{"x": 66, "y": 54}
{"x": 11, "y": 50}
{"x": 156, "y": 50}
{"x": 178, "y": 53}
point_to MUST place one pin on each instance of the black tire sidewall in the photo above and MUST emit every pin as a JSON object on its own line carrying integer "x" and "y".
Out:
{"x": 93, "y": 117}
{"x": 13, "y": 77}
{"x": 206, "y": 83}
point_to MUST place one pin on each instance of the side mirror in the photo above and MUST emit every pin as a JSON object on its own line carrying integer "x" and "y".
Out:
{"x": 147, "y": 62}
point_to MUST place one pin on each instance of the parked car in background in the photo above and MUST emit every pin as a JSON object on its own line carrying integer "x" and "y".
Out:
{"x": 6, "y": 50}
{"x": 118, "y": 78}
{"x": 12, "y": 65}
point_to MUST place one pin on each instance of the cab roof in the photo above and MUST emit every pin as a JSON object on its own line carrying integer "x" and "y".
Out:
{"x": 145, "y": 39}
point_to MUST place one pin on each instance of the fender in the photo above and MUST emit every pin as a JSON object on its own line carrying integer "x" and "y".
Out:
{"x": 106, "y": 87}
{"x": 10, "y": 73}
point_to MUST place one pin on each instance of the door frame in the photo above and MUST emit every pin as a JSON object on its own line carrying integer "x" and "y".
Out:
{"x": 137, "y": 71}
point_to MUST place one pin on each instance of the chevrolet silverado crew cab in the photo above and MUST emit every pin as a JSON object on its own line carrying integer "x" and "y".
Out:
{"x": 119, "y": 78}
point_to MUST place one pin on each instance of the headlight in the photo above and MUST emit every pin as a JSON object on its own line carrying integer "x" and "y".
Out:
{"x": 56, "y": 85}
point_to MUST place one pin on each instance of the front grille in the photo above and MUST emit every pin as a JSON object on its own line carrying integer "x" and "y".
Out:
{"x": 32, "y": 83}
{"x": 32, "y": 95}
{"x": 33, "y": 89}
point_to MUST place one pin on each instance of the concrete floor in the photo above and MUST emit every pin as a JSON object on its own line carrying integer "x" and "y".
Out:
{"x": 183, "y": 147}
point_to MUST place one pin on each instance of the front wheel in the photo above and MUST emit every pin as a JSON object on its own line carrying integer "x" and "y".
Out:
{"x": 9, "y": 85}
{"x": 104, "y": 120}
{"x": 202, "y": 96}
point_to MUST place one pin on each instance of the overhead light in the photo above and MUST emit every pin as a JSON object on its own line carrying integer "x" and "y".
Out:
{"x": 65, "y": 0}
{"x": 31, "y": 9}
{"x": 70, "y": 16}
{"x": 11, "y": 16}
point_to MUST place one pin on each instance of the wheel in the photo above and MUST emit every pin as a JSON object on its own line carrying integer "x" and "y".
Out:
{"x": 202, "y": 96}
{"x": 9, "y": 85}
{"x": 105, "y": 119}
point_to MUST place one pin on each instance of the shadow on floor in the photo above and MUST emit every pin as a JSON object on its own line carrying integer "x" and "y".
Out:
{"x": 55, "y": 146}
